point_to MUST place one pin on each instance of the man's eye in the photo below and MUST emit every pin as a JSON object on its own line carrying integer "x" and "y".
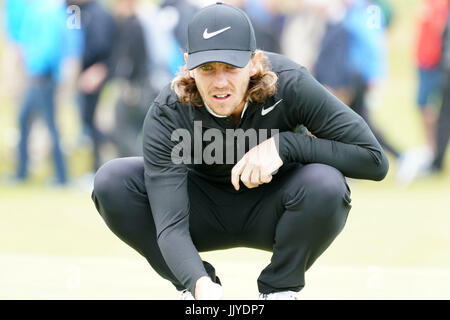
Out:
{"x": 206, "y": 67}
{"x": 229, "y": 66}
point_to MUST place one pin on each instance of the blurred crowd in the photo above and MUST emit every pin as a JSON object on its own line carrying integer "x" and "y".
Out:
{"x": 81, "y": 46}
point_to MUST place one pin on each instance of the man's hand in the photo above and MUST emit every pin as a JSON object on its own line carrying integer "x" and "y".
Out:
{"x": 206, "y": 289}
{"x": 257, "y": 165}
{"x": 92, "y": 78}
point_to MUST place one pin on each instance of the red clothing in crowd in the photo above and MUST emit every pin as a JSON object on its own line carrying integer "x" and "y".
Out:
{"x": 432, "y": 21}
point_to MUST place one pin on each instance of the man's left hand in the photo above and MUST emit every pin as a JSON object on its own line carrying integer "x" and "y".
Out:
{"x": 257, "y": 165}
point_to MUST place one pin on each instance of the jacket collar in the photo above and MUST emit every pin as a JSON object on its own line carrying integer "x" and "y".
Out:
{"x": 210, "y": 119}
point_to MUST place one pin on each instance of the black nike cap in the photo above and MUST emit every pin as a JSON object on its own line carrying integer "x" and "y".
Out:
{"x": 220, "y": 33}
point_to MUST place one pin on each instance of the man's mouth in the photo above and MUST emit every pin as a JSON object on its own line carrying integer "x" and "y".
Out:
{"x": 221, "y": 97}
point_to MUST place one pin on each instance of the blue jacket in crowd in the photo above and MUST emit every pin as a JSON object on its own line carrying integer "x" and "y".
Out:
{"x": 40, "y": 30}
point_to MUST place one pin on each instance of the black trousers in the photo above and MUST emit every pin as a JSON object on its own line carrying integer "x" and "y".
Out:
{"x": 88, "y": 106}
{"x": 443, "y": 126}
{"x": 296, "y": 216}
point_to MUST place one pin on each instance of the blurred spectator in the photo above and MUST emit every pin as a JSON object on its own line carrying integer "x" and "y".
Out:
{"x": 304, "y": 30}
{"x": 12, "y": 64}
{"x": 432, "y": 20}
{"x": 332, "y": 67}
{"x": 387, "y": 14}
{"x": 164, "y": 50}
{"x": 40, "y": 32}
{"x": 131, "y": 72}
{"x": 268, "y": 22}
{"x": 147, "y": 54}
{"x": 431, "y": 62}
{"x": 368, "y": 58}
{"x": 185, "y": 11}
{"x": 352, "y": 58}
{"x": 99, "y": 32}
{"x": 443, "y": 124}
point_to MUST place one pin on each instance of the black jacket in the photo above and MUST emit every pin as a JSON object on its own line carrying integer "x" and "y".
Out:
{"x": 99, "y": 32}
{"x": 343, "y": 141}
{"x": 129, "y": 57}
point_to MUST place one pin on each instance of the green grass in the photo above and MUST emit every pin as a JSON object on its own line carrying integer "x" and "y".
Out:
{"x": 393, "y": 236}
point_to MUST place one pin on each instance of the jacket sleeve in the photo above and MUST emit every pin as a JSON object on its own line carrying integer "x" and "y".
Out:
{"x": 343, "y": 139}
{"x": 166, "y": 185}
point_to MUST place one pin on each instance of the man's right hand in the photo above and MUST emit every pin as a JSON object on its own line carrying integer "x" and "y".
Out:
{"x": 91, "y": 79}
{"x": 257, "y": 165}
{"x": 206, "y": 289}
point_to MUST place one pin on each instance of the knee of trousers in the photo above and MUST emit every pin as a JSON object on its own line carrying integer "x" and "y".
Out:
{"x": 318, "y": 189}
{"x": 111, "y": 180}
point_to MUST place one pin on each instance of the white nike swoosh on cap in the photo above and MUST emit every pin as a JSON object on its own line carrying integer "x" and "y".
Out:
{"x": 207, "y": 35}
{"x": 266, "y": 111}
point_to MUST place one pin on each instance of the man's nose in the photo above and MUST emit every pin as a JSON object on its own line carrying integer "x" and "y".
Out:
{"x": 220, "y": 79}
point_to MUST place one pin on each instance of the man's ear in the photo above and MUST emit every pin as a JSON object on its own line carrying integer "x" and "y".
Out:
{"x": 185, "y": 57}
{"x": 255, "y": 63}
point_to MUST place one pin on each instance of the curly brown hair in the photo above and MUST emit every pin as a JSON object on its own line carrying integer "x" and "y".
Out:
{"x": 261, "y": 86}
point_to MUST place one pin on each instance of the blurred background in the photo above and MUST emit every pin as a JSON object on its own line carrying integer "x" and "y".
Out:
{"x": 77, "y": 78}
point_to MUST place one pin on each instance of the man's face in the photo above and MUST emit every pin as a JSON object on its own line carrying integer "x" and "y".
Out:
{"x": 222, "y": 86}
